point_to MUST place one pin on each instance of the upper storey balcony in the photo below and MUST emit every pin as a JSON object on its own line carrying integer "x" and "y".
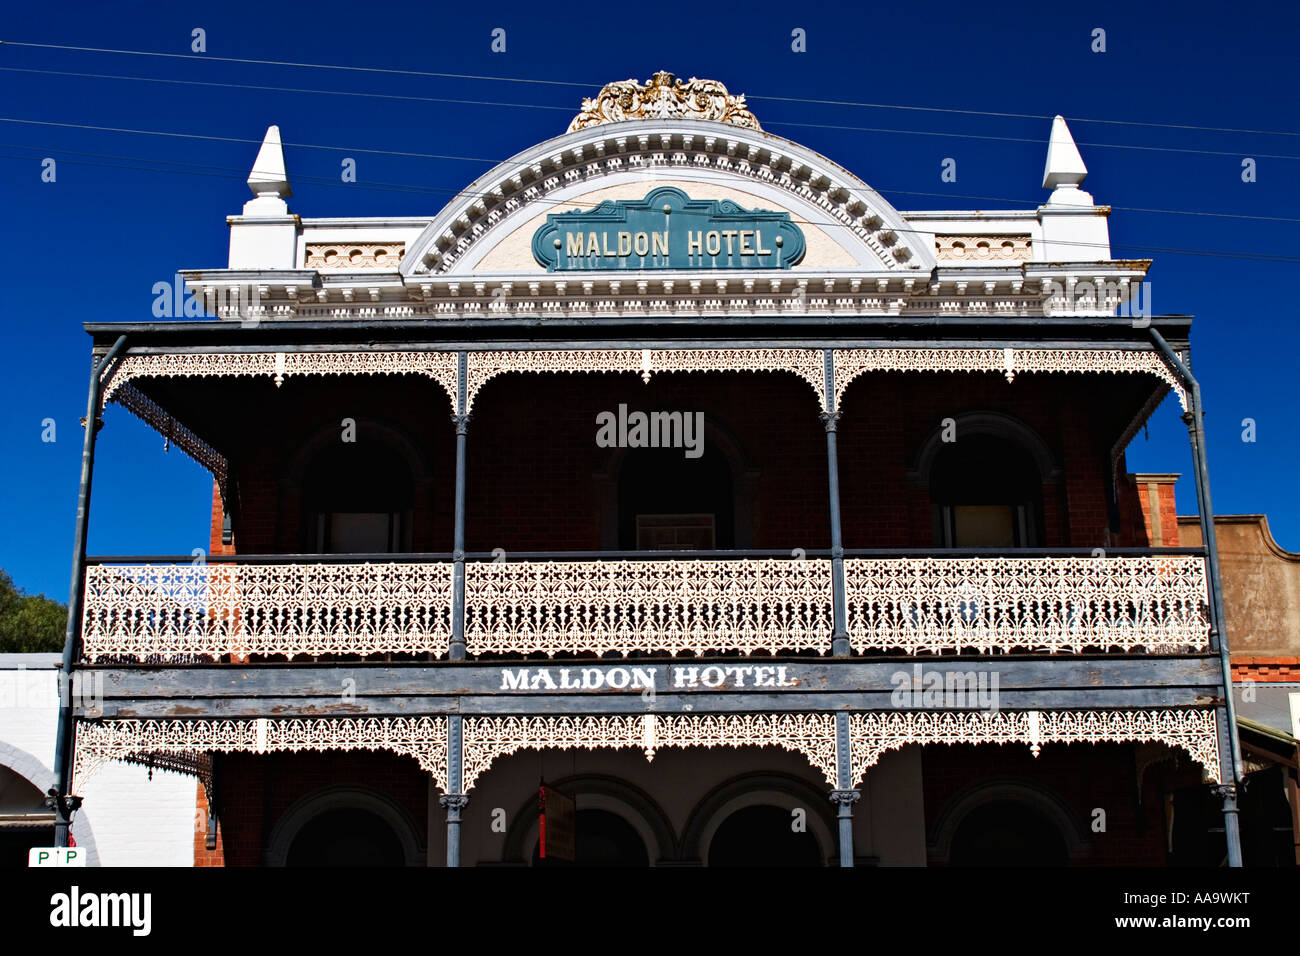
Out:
{"x": 977, "y": 518}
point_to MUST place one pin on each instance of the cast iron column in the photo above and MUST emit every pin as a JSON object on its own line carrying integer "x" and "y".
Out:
{"x": 844, "y": 796}
{"x": 1195, "y": 421}
{"x": 58, "y": 799}
{"x": 461, "y": 420}
{"x": 840, "y": 635}
{"x": 454, "y": 801}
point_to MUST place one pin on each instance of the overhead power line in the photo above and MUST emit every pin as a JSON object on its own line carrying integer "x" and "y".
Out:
{"x": 223, "y": 172}
{"x": 285, "y": 89}
{"x": 565, "y": 109}
{"x": 479, "y": 159}
{"x": 596, "y": 86}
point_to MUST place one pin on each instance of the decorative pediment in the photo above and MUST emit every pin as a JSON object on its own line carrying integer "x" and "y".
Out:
{"x": 489, "y": 229}
{"x": 664, "y": 96}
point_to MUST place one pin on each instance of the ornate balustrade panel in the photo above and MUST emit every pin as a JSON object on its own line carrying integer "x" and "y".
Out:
{"x": 169, "y": 612}
{"x": 629, "y": 607}
{"x": 1155, "y": 603}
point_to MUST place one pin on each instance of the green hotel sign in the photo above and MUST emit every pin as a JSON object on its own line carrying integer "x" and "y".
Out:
{"x": 668, "y": 230}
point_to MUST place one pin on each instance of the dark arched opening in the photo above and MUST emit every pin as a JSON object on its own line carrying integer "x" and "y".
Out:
{"x": 987, "y": 493}
{"x": 347, "y": 836}
{"x": 668, "y": 502}
{"x": 1006, "y": 833}
{"x": 24, "y": 820}
{"x": 601, "y": 838}
{"x": 763, "y": 835}
{"x": 357, "y": 498}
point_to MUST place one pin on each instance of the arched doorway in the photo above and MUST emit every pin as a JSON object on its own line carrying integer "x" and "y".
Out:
{"x": 357, "y": 498}
{"x": 602, "y": 838}
{"x": 25, "y": 822}
{"x": 763, "y": 835}
{"x": 669, "y": 502}
{"x": 345, "y": 827}
{"x": 1007, "y": 833}
{"x": 986, "y": 492}
{"x": 348, "y": 836}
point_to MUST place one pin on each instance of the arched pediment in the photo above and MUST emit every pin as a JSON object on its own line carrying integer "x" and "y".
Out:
{"x": 489, "y": 229}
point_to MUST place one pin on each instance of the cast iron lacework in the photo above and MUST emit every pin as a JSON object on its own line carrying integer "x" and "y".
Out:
{"x": 487, "y": 738}
{"x": 808, "y": 364}
{"x": 850, "y": 363}
{"x": 628, "y": 607}
{"x": 173, "y": 613}
{"x": 177, "y": 741}
{"x": 152, "y": 414}
{"x": 440, "y": 366}
{"x": 1152, "y": 602}
{"x": 170, "y": 612}
{"x": 1195, "y": 731}
{"x": 183, "y": 744}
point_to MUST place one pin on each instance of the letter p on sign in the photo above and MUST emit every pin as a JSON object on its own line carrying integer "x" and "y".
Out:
{"x": 56, "y": 856}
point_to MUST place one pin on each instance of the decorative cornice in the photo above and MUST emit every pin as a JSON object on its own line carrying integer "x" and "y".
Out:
{"x": 354, "y": 255}
{"x": 981, "y": 248}
{"x": 993, "y": 290}
{"x": 663, "y": 96}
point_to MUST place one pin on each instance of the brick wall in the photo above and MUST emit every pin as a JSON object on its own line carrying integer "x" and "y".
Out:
{"x": 1272, "y": 670}
{"x": 537, "y": 480}
{"x": 255, "y": 790}
{"x": 1083, "y": 777}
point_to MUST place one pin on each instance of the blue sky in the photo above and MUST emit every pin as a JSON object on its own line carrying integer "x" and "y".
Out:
{"x": 91, "y": 245}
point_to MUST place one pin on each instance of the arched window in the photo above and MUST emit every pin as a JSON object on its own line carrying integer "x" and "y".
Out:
{"x": 602, "y": 838}
{"x": 668, "y": 502}
{"x": 357, "y": 499}
{"x": 762, "y": 835}
{"x": 1007, "y": 833}
{"x": 347, "y": 836}
{"x": 986, "y": 492}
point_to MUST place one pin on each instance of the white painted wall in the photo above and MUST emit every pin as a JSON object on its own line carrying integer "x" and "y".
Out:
{"x": 127, "y": 819}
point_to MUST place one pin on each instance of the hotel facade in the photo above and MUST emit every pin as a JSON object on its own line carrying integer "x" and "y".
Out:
{"x": 672, "y": 467}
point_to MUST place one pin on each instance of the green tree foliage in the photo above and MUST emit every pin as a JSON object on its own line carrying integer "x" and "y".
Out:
{"x": 29, "y": 623}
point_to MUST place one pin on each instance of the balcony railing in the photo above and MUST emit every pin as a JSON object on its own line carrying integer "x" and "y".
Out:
{"x": 173, "y": 612}
{"x": 295, "y": 606}
{"x": 1153, "y": 602}
{"x": 630, "y": 606}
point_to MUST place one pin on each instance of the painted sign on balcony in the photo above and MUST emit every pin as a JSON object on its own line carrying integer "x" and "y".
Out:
{"x": 668, "y": 230}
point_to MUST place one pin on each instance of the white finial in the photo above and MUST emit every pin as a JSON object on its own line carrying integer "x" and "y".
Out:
{"x": 269, "y": 177}
{"x": 1064, "y": 164}
{"x": 1064, "y": 170}
{"x": 269, "y": 180}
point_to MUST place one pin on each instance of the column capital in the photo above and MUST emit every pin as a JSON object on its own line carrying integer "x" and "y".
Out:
{"x": 454, "y": 801}
{"x": 64, "y": 806}
{"x": 1226, "y": 792}
{"x": 462, "y": 423}
{"x": 829, "y": 420}
{"x": 845, "y": 798}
